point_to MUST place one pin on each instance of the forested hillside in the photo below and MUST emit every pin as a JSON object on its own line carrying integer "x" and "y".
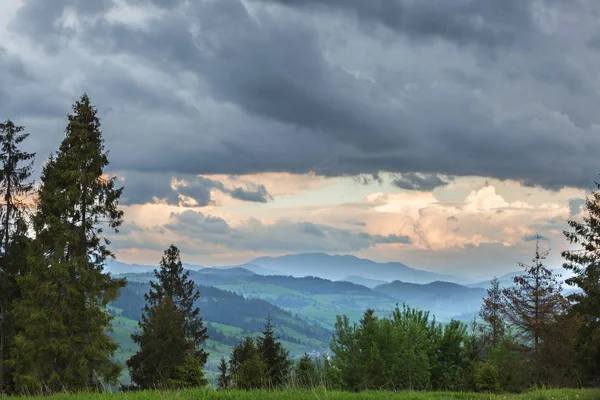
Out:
{"x": 229, "y": 317}
{"x": 313, "y": 298}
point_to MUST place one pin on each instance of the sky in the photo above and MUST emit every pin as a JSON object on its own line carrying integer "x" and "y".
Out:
{"x": 441, "y": 134}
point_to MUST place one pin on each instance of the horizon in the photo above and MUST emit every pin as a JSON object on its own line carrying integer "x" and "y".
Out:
{"x": 254, "y": 128}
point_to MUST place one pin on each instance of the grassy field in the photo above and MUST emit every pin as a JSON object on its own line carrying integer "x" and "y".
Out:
{"x": 322, "y": 394}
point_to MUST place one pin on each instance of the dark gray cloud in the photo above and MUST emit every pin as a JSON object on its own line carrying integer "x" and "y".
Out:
{"x": 446, "y": 88}
{"x": 141, "y": 188}
{"x": 355, "y": 222}
{"x": 311, "y": 229}
{"x": 575, "y": 206}
{"x": 390, "y": 239}
{"x": 260, "y": 195}
{"x": 416, "y": 181}
{"x": 485, "y": 23}
{"x": 534, "y": 237}
{"x": 196, "y": 223}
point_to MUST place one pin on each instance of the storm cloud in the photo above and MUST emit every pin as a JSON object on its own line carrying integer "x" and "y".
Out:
{"x": 425, "y": 90}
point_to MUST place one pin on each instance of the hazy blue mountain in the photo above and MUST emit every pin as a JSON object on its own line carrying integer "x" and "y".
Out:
{"x": 117, "y": 267}
{"x": 254, "y": 268}
{"x": 336, "y": 267}
{"x": 233, "y": 271}
{"x": 446, "y": 296}
{"x": 359, "y": 280}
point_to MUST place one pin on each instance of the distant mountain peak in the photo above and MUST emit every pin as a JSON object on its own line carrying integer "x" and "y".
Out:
{"x": 337, "y": 267}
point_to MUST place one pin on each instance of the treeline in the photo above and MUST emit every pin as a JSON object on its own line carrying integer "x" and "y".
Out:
{"x": 529, "y": 335}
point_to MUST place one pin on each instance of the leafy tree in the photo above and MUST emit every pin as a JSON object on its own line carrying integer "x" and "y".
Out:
{"x": 190, "y": 374}
{"x": 62, "y": 341}
{"x": 534, "y": 302}
{"x": 491, "y": 314}
{"x": 512, "y": 363}
{"x": 171, "y": 329}
{"x": 346, "y": 354}
{"x": 585, "y": 263}
{"x": 449, "y": 359}
{"x": 487, "y": 378}
{"x": 15, "y": 171}
{"x": 274, "y": 355}
{"x": 223, "y": 377}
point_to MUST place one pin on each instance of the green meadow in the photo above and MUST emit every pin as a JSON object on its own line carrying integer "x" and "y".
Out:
{"x": 318, "y": 394}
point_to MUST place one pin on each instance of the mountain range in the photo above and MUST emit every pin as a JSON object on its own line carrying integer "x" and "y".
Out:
{"x": 333, "y": 267}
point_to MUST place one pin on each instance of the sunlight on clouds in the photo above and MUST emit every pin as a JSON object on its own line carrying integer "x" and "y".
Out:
{"x": 462, "y": 217}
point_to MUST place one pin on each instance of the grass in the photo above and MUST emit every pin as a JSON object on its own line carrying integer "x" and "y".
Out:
{"x": 318, "y": 394}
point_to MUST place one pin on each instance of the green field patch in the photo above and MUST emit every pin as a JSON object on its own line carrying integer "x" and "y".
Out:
{"x": 227, "y": 329}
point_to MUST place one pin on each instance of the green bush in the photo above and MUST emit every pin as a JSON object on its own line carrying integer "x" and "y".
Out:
{"x": 487, "y": 378}
{"x": 189, "y": 375}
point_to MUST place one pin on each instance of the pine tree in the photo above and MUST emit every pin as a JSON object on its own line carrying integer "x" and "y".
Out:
{"x": 171, "y": 330}
{"x": 223, "y": 377}
{"x": 585, "y": 263}
{"x": 491, "y": 314}
{"x": 62, "y": 343}
{"x": 274, "y": 355}
{"x": 15, "y": 171}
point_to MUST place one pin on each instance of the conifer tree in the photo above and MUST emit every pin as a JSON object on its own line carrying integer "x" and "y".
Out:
{"x": 535, "y": 300}
{"x": 15, "y": 171}
{"x": 223, "y": 377}
{"x": 533, "y": 304}
{"x": 491, "y": 314}
{"x": 62, "y": 342}
{"x": 171, "y": 329}
{"x": 585, "y": 263}
{"x": 305, "y": 372}
{"x": 247, "y": 367}
{"x": 274, "y": 355}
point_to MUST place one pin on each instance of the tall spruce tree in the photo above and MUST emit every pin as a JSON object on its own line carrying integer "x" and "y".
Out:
{"x": 491, "y": 314}
{"x": 171, "y": 329}
{"x": 62, "y": 342}
{"x": 585, "y": 263}
{"x": 15, "y": 171}
{"x": 274, "y": 355}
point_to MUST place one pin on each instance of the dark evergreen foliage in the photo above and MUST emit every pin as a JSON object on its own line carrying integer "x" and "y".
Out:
{"x": 305, "y": 373}
{"x": 15, "y": 186}
{"x": 276, "y": 358}
{"x": 61, "y": 317}
{"x": 491, "y": 314}
{"x": 223, "y": 375}
{"x": 171, "y": 330}
{"x": 585, "y": 263}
